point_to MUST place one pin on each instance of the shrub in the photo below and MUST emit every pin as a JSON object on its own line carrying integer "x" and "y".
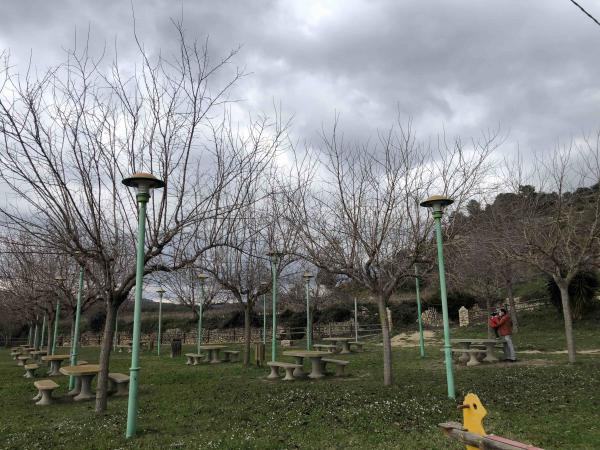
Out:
{"x": 456, "y": 299}
{"x": 335, "y": 313}
{"x": 582, "y": 293}
{"x": 404, "y": 313}
{"x": 97, "y": 320}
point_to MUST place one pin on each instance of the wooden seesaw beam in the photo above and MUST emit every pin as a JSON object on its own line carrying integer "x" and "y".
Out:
{"x": 456, "y": 431}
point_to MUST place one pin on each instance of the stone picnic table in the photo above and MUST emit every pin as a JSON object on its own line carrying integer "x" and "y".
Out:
{"x": 489, "y": 348}
{"x": 343, "y": 341}
{"x": 213, "y": 352}
{"x": 55, "y": 362}
{"x": 85, "y": 373}
{"x": 315, "y": 359}
{"x": 36, "y": 354}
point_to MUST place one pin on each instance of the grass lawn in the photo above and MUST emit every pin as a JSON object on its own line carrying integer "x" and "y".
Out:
{"x": 541, "y": 400}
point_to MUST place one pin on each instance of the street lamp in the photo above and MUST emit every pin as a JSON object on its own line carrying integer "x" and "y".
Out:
{"x": 142, "y": 182}
{"x": 36, "y": 344}
{"x": 275, "y": 261}
{"x": 160, "y": 292}
{"x": 307, "y": 277}
{"x": 202, "y": 277}
{"x": 264, "y": 296}
{"x": 59, "y": 280}
{"x": 419, "y": 319}
{"x": 437, "y": 203}
{"x": 75, "y": 342}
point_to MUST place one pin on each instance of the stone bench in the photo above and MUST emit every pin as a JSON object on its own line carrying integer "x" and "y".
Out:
{"x": 359, "y": 345}
{"x": 340, "y": 365}
{"x": 22, "y": 360}
{"x": 231, "y": 355}
{"x": 288, "y": 367}
{"x": 118, "y": 383}
{"x": 193, "y": 359}
{"x": 121, "y": 347}
{"x": 472, "y": 352}
{"x": 30, "y": 370}
{"x": 331, "y": 348}
{"x": 45, "y": 389}
{"x": 15, "y": 353}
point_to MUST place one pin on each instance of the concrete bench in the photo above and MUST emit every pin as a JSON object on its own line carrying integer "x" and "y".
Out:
{"x": 331, "y": 348}
{"x": 22, "y": 360}
{"x": 193, "y": 359}
{"x": 30, "y": 370}
{"x": 121, "y": 347}
{"x": 15, "y": 353}
{"x": 231, "y": 355}
{"x": 119, "y": 383}
{"x": 472, "y": 352}
{"x": 357, "y": 344}
{"x": 340, "y": 365}
{"x": 45, "y": 389}
{"x": 288, "y": 367}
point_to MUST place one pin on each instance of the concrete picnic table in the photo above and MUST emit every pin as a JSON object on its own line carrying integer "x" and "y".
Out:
{"x": 37, "y": 354}
{"x": 489, "y": 348}
{"x": 85, "y": 373}
{"x": 343, "y": 341}
{"x": 315, "y": 359}
{"x": 55, "y": 362}
{"x": 213, "y": 352}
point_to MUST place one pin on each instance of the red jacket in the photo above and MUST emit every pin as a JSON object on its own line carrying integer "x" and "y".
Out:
{"x": 493, "y": 322}
{"x": 505, "y": 325}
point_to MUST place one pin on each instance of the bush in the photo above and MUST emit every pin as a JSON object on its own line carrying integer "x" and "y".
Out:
{"x": 582, "y": 292}
{"x": 335, "y": 313}
{"x": 404, "y": 313}
{"x": 97, "y": 320}
{"x": 456, "y": 299}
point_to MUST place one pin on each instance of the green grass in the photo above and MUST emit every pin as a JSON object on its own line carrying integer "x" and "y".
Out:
{"x": 545, "y": 402}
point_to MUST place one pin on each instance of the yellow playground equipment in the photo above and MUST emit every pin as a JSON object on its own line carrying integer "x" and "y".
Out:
{"x": 472, "y": 433}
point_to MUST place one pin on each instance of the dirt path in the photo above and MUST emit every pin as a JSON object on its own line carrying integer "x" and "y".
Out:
{"x": 412, "y": 339}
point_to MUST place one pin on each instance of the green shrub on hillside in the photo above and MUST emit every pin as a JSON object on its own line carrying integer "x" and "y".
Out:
{"x": 582, "y": 294}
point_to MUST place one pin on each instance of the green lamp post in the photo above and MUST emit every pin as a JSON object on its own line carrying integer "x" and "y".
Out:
{"x": 264, "y": 298}
{"x": 275, "y": 261}
{"x": 36, "y": 344}
{"x": 30, "y": 335}
{"x": 75, "y": 341}
{"x": 438, "y": 203}
{"x": 160, "y": 292}
{"x": 307, "y": 277}
{"x": 202, "y": 278}
{"x": 142, "y": 182}
{"x": 419, "y": 318}
{"x": 43, "y": 331}
{"x": 59, "y": 280}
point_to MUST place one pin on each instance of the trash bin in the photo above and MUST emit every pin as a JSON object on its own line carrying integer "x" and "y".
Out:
{"x": 175, "y": 347}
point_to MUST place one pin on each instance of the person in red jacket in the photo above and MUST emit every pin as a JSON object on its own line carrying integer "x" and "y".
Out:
{"x": 505, "y": 328}
{"x": 493, "y": 323}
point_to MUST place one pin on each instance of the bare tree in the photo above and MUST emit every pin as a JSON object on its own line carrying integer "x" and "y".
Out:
{"x": 557, "y": 228}
{"x": 72, "y": 134}
{"x": 362, "y": 219}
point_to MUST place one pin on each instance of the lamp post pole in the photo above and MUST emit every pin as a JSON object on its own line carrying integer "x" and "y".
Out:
{"x": 420, "y": 319}
{"x": 161, "y": 291}
{"x": 35, "y": 334}
{"x": 143, "y": 182}
{"x": 307, "y": 277}
{"x": 202, "y": 277}
{"x": 75, "y": 342}
{"x": 56, "y": 317}
{"x": 264, "y": 299}
{"x": 30, "y": 335}
{"x": 275, "y": 260}
{"x": 355, "y": 320}
{"x": 43, "y": 331}
{"x": 437, "y": 203}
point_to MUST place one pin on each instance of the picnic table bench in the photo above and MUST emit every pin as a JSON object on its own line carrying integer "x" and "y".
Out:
{"x": 315, "y": 359}
{"x": 340, "y": 365}
{"x": 231, "y": 355}
{"x": 30, "y": 370}
{"x": 288, "y": 367}
{"x": 45, "y": 389}
{"x": 359, "y": 345}
{"x": 15, "y": 353}
{"x": 55, "y": 362}
{"x": 37, "y": 354}
{"x": 489, "y": 344}
{"x": 343, "y": 341}
{"x": 193, "y": 359}
{"x": 22, "y": 360}
{"x": 118, "y": 383}
{"x": 331, "y": 348}
{"x": 213, "y": 352}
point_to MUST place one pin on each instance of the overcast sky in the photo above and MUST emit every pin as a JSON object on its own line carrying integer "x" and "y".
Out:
{"x": 529, "y": 66}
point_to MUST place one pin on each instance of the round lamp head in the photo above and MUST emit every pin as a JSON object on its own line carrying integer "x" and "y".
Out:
{"x": 307, "y": 276}
{"x": 264, "y": 283}
{"x": 160, "y": 291}
{"x": 202, "y": 277}
{"x": 437, "y": 202}
{"x": 59, "y": 279}
{"x": 143, "y": 182}
{"x": 275, "y": 254}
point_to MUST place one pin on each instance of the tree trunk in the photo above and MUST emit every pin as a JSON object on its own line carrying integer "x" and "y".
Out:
{"x": 490, "y": 331}
{"x": 387, "y": 344}
{"x": 49, "y": 325}
{"x": 246, "y": 334}
{"x": 511, "y": 306}
{"x": 566, "y": 307}
{"x": 105, "y": 350}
